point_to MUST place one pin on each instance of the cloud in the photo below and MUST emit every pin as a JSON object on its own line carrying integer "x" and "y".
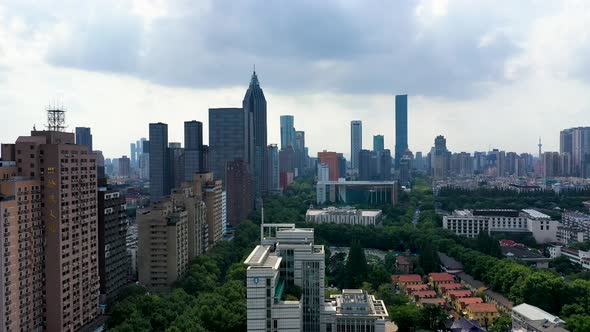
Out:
{"x": 432, "y": 48}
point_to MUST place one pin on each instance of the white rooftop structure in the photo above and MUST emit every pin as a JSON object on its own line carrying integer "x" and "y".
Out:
{"x": 536, "y": 214}
{"x": 344, "y": 215}
{"x": 532, "y": 313}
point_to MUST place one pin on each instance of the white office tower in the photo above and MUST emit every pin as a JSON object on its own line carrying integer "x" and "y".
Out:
{"x": 285, "y": 281}
{"x": 355, "y": 310}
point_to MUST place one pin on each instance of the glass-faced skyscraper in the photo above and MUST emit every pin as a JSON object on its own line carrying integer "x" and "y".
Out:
{"x": 159, "y": 165}
{"x": 356, "y": 142}
{"x": 193, "y": 148}
{"x": 84, "y": 137}
{"x": 401, "y": 127}
{"x": 254, "y": 105}
{"x": 378, "y": 143}
{"x": 226, "y": 139}
{"x": 287, "y": 131}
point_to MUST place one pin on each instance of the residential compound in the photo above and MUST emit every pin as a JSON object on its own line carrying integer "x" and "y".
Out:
{"x": 471, "y": 222}
{"x": 286, "y": 258}
{"x": 346, "y": 215}
{"x": 578, "y": 257}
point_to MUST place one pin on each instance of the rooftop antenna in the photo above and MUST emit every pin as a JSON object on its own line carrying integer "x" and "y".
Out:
{"x": 56, "y": 119}
{"x": 540, "y": 145}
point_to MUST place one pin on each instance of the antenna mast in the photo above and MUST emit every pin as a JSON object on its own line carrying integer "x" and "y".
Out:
{"x": 56, "y": 119}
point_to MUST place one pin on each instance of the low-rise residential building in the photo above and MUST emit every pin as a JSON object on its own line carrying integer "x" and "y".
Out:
{"x": 462, "y": 303}
{"x": 502, "y": 303}
{"x": 448, "y": 287}
{"x": 471, "y": 222}
{"x": 410, "y": 289}
{"x": 484, "y": 313}
{"x": 528, "y": 318}
{"x": 464, "y": 325}
{"x": 575, "y": 256}
{"x": 435, "y": 279}
{"x": 404, "y": 280}
{"x": 513, "y": 250}
{"x": 425, "y": 294}
{"x": 431, "y": 301}
{"x": 449, "y": 264}
{"x": 454, "y": 295}
{"x": 345, "y": 215}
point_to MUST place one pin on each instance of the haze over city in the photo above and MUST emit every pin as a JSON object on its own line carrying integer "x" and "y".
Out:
{"x": 480, "y": 73}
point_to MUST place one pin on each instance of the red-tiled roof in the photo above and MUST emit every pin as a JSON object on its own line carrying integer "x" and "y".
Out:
{"x": 441, "y": 276}
{"x": 470, "y": 300}
{"x": 425, "y": 293}
{"x": 405, "y": 278}
{"x": 436, "y": 300}
{"x": 509, "y": 243}
{"x": 411, "y": 288}
{"x": 483, "y": 307}
{"x": 455, "y": 314}
{"x": 460, "y": 293}
{"x": 447, "y": 287}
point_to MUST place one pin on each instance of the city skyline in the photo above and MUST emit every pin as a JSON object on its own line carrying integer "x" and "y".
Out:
{"x": 515, "y": 78}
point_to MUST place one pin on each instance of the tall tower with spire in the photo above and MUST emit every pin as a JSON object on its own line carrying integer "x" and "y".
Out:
{"x": 540, "y": 146}
{"x": 255, "y": 133}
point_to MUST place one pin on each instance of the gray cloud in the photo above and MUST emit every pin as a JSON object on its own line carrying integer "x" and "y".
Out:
{"x": 308, "y": 45}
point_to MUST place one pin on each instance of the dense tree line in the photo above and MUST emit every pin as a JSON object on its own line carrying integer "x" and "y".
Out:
{"x": 485, "y": 198}
{"x": 209, "y": 297}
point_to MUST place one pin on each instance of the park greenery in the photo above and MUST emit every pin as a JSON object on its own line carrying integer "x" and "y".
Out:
{"x": 484, "y": 198}
{"x": 211, "y": 296}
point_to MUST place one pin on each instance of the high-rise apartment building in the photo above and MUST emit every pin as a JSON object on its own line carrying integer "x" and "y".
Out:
{"x": 551, "y": 164}
{"x": 287, "y": 131}
{"x": 401, "y": 127}
{"x": 211, "y": 193}
{"x": 330, "y": 159}
{"x": 254, "y": 105}
{"x": 113, "y": 262}
{"x": 356, "y": 142}
{"x": 378, "y": 143}
{"x": 159, "y": 161}
{"x": 300, "y": 151}
{"x": 193, "y": 148}
{"x": 21, "y": 243}
{"x": 239, "y": 192}
{"x": 163, "y": 245}
{"x": 440, "y": 162}
{"x": 84, "y": 137}
{"x": 68, "y": 193}
{"x": 144, "y": 161}
{"x": 341, "y": 166}
{"x": 190, "y": 198}
{"x": 226, "y": 139}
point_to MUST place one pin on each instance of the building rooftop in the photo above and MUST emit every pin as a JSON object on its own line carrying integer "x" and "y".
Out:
{"x": 522, "y": 253}
{"x": 424, "y": 293}
{"x": 496, "y": 212}
{"x": 405, "y": 278}
{"x": 460, "y": 292}
{"x": 358, "y": 183}
{"x": 344, "y": 210}
{"x": 470, "y": 300}
{"x": 441, "y": 276}
{"x": 536, "y": 214}
{"x": 483, "y": 307}
{"x": 263, "y": 257}
{"x": 546, "y": 326}
{"x": 436, "y": 300}
{"x": 449, "y": 263}
{"x": 452, "y": 286}
{"x": 531, "y": 312}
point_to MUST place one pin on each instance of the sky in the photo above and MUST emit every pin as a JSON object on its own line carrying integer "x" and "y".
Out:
{"x": 483, "y": 73}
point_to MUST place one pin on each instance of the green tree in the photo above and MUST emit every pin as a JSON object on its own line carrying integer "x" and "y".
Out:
{"x": 502, "y": 324}
{"x": 356, "y": 266}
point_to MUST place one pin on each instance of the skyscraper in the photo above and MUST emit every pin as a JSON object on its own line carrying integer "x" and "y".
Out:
{"x": 159, "y": 161}
{"x": 239, "y": 192}
{"x": 330, "y": 159}
{"x": 133, "y": 149}
{"x": 356, "y": 142}
{"x": 272, "y": 172}
{"x": 226, "y": 139}
{"x": 287, "y": 131}
{"x": 300, "y": 155}
{"x": 401, "y": 127}
{"x": 193, "y": 148}
{"x": 378, "y": 143}
{"x": 254, "y": 105}
{"x": 176, "y": 164}
{"x": 84, "y": 137}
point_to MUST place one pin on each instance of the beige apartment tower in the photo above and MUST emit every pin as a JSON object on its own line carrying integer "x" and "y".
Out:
{"x": 163, "y": 245}
{"x": 211, "y": 193}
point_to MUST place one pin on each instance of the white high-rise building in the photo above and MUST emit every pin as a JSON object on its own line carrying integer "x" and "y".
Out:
{"x": 285, "y": 282}
{"x": 356, "y": 142}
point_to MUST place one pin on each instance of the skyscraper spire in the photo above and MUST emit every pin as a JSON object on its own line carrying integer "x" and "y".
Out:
{"x": 254, "y": 79}
{"x": 540, "y": 146}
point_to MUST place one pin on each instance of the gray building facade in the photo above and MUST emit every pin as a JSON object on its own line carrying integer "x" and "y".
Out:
{"x": 401, "y": 127}
{"x": 84, "y": 137}
{"x": 356, "y": 142}
{"x": 193, "y": 148}
{"x": 159, "y": 161}
{"x": 226, "y": 139}
{"x": 287, "y": 131}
